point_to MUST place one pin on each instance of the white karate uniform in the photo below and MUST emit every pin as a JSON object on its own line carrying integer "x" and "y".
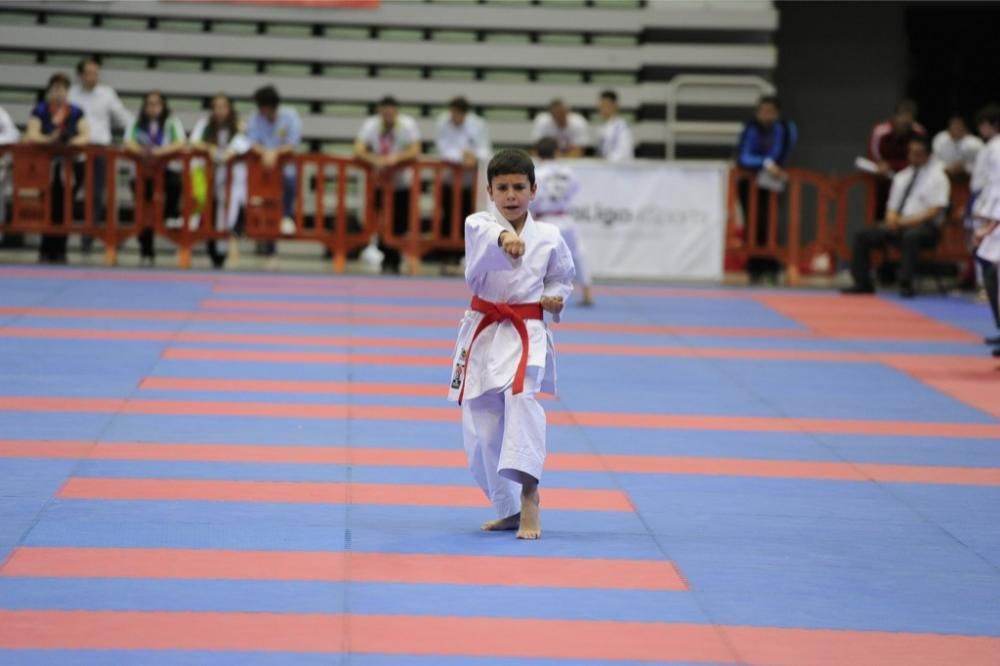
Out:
{"x": 616, "y": 143}
{"x": 987, "y": 207}
{"x": 986, "y": 182}
{"x": 557, "y": 185}
{"x": 947, "y": 151}
{"x": 504, "y": 434}
{"x": 8, "y": 134}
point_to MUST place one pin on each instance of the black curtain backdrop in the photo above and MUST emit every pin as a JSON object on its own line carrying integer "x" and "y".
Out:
{"x": 953, "y": 58}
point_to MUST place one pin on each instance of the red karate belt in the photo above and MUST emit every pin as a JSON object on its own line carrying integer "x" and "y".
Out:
{"x": 494, "y": 313}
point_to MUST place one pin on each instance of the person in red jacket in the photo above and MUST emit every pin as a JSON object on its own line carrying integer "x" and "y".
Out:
{"x": 888, "y": 147}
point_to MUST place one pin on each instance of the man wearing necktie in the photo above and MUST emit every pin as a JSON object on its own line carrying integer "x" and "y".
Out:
{"x": 917, "y": 202}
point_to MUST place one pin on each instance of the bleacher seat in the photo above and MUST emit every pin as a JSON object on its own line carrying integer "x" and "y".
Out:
{"x": 333, "y": 64}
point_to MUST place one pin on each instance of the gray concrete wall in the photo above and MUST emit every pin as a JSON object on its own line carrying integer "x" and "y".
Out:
{"x": 841, "y": 68}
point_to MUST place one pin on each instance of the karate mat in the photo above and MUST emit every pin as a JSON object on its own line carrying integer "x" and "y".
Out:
{"x": 260, "y": 469}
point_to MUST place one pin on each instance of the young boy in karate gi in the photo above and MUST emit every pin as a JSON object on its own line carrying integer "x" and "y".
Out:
{"x": 517, "y": 269}
{"x": 557, "y": 185}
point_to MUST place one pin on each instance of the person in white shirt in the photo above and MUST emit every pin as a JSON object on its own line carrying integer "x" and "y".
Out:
{"x": 99, "y": 101}
{"x": 917, "y": 202}
{"x": 461, "y": 138}
{"x": 102, "y": 107}
{"x": 955, "y": 148}
{"x": 8, "y": 134}
{"x": 986, "y": 211}
{"x": 615, "y": 136}
{"x": 570, "y": 130}
{"x": 222, "y": 134}
{"x": 8, "y": 130}
{"x": 557, "y": 185}
{"x": 385, "y": 141}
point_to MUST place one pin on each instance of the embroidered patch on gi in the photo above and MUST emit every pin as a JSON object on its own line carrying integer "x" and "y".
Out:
{"x": 456, "y": 380}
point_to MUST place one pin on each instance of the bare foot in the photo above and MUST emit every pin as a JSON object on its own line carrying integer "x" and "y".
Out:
{"x": 502, "y": 524}
{"x": 531, "y": 525}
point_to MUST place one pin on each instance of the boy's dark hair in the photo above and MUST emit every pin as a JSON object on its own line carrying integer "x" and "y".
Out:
{"x": 82, "y": 65}
{"x": 610, "y": 95}
{"x": 508, "y": 162}
{"x": 267, "y": 97}
{"x": 459, "y": 104}
{"x": 388, "y": 100}
{"x": 547, "y": 148}
{"x": 989, "y": 114}
{"x": 58, "y": 77}
{"x": 923, "y": 141}
{"x": 770, "y": 99}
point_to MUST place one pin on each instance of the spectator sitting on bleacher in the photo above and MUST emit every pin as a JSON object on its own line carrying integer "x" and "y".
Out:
{"x": 570, "y": 130}
{"x": 275, "y": 131}
{"x": 462, "y": 138}
{"x": 101, "y": 105}
{"x": 917, "y": 202}
{"x": 8, "y": 134}
{"x": 615, "y": 136}
{"x": 55, "y": 121}
{"x": 765, "y": 143}
{"x": 385, "y": 141}
{"x": 222, "y": 135}
{"x": 955, "y": 148}
{"x": 888, "y": 147}
{"x": 156, "y": 134}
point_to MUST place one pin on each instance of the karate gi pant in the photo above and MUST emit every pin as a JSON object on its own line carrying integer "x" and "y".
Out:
{"x": 991, "y": 284}
{"x": 568, "y": 230}
{"x": 504, "y": 438}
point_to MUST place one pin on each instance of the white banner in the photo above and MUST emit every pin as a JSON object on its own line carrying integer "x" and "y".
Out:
{"x": 652, "y": 219}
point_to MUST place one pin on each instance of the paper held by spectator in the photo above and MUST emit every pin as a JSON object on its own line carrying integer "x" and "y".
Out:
{"x": 768, "y": 181}
{"x": 866, "y": 165}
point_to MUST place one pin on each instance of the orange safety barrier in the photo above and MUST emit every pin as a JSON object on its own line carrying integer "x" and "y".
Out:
{"x": 349, "y": 227}
{"x": 820, "y": 225}
{"x": 844, "y": 187}
{"x": 33, "y": 204}
{"x": 788, "y": 248}
{"x": 32, "y": 187}
{"x": 353, "y": 225}
{"x": 150, "y": 214}
{"x": 340, "y": 202}
{"x": 438, "y": 234}
{"x": 954, "y": 245}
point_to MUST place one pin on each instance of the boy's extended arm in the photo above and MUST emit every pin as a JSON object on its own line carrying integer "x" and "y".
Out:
{"x": 482, "y": 248}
